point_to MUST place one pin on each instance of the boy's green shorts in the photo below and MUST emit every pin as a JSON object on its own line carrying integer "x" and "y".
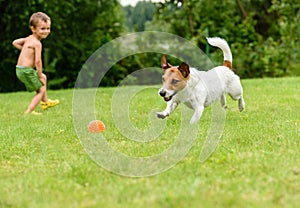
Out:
{"x": 29, "y": 77}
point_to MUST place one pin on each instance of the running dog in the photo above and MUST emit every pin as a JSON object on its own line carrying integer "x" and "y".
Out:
{"x": 198, "y": 89}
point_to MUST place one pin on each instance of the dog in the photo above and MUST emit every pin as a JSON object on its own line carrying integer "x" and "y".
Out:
{"x": 199, "y": 89}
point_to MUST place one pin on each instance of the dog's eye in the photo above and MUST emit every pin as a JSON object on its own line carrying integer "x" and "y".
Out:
{"x": 174, "y": 81}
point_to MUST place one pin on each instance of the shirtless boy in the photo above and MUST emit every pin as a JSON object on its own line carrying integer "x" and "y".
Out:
{"x": 30, "y": 58}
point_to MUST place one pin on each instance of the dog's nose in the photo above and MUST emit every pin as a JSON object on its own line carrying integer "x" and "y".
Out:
{"x": 162, "y": 93}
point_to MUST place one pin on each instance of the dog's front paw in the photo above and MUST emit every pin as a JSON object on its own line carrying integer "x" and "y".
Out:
{"x": 161, "y": 115}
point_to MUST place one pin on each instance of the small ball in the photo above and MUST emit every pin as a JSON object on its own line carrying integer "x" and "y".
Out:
{"x": 96, "y": 126}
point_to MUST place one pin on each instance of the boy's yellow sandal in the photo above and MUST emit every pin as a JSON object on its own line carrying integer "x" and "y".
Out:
{"x": 33, "y": 113}
{"x": 49, "y": 104}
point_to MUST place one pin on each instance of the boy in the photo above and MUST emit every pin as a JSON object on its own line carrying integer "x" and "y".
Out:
{"x": 30, "y": 58}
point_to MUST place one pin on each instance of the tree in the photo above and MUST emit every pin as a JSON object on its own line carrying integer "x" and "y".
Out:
{"x": 137, "y": 16}
{"x": 263, "y": 34}
{"x": 288, "y": 12}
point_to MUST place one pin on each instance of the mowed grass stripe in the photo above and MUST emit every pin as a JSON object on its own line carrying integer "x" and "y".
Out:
{"x": 256, "y": 164}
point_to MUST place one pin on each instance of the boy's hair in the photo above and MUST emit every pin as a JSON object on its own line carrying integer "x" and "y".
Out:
{"x": 35, "y": 17}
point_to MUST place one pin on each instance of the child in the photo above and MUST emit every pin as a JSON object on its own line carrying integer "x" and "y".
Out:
{"x": 30, "y": 58}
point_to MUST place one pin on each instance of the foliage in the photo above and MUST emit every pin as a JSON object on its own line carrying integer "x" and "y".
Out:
{"x": 137, "y": 16}
{"x": 263, "y": 35}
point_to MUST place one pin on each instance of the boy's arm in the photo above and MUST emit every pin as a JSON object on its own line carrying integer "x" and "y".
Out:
{"x": 38, "y": 60}
{"x": 18, "y": 43}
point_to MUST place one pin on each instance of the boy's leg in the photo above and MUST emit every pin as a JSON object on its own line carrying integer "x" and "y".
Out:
{"x": 45, "y": 102}
{"x": 44, "y": 98}
{"x": 36, "y": 99}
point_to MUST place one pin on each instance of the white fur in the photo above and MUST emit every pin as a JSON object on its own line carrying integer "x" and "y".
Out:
{"x": 222, "y": 44}
{"x": 203, "y": 88}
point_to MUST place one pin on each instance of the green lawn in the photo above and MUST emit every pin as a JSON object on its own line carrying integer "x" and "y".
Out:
{"x": 256, "y": 164}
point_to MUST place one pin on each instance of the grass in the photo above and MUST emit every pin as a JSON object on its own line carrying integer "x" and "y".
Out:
{"x": 256, "y": 164}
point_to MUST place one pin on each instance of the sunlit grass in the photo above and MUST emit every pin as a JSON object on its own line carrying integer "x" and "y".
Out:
{"x": 256, "y": 164}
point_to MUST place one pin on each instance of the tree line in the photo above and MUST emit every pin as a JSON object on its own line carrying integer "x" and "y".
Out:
{"x": 263, "y": 34}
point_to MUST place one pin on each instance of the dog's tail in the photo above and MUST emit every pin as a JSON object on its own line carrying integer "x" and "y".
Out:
{"x": 222, "y": 44}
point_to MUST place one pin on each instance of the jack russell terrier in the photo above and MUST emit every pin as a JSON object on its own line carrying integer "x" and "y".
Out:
{"x": 198, "y": 89}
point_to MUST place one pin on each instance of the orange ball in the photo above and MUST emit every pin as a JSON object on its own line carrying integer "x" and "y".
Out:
{"x": 96, "y": 126}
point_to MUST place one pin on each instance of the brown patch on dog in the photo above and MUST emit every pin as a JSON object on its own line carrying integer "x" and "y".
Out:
{"x": 173, "y": 79}
{"x": 164, "y": 62}
{"x": 228, "y": 64}
{"x": 184, "y": 69}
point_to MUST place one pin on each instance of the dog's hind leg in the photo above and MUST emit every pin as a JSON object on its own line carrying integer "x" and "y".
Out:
{"x": 235, "y": 91}
{"x": 223, "y": 101}
{"x": 241, "y": 104}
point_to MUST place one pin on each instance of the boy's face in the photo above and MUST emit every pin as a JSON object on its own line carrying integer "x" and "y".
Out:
{"x": 42, "y": 29}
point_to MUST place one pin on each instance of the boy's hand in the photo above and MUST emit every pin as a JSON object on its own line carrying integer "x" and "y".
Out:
{"x": 18, "y": 43}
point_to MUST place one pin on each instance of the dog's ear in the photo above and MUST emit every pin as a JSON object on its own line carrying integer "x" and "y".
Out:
{"x": 184, "y": 69}
{"x": 164, "y": 62}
